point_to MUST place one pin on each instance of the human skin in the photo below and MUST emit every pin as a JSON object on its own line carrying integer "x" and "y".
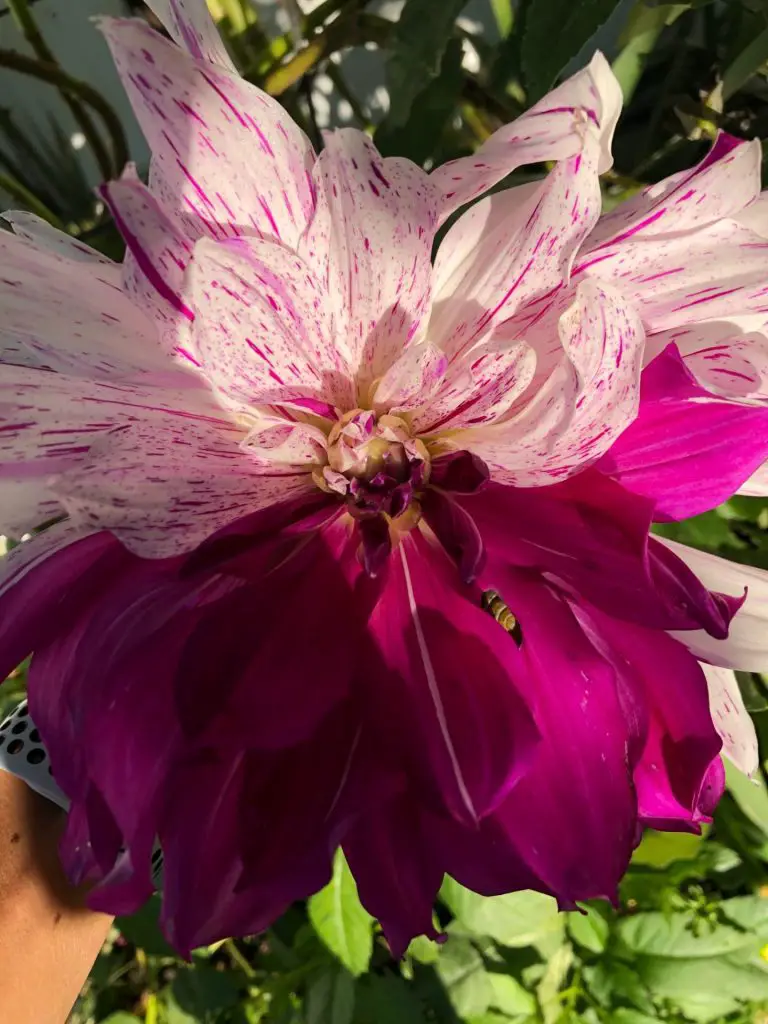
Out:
{"x": 49, "y": 939}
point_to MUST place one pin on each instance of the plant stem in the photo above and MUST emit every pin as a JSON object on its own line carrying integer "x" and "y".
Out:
{"x": 237, "y": 957}
{"x": 74, "y": 87}
{"x": 28, "y": 28}
{"x": 21, "y": 194}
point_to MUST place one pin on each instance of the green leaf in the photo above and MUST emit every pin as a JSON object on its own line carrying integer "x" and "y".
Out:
{"x": 750, "y": 794}
{"x": 425, "y": 950}
{"x": 589, "y": 929}
{"x": 554, "y": 978}
{"x": 642, "y": 31}
{"x": 504, "y": 15}
{"x": 519, "y": 919}
{"x": 331, "y": 998}
{"x": 464, "y": 977}
{"x": 419, "y": 43}
{"x": 387, "y": 999}
{"x": 509, "y": 996}
{"x": 657, "y": 934}
{"x": 555, "y": 31}
{"x": 749, "y": 913}
{"x": 748, "y": 63}
{"x": 142, "y": 929}
{"x": 659, "y": 849}
{"x": 340, "y": 920}
{"x": 203, "y": 991}
{"x": 622, "y": 1016}
{"x": 420, "y": 135}
{"x": 121, "y": 1018}
{"x": 724, "y": 977}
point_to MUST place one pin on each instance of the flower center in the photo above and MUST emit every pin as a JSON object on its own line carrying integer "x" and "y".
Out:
{"x": 374, "y": 463}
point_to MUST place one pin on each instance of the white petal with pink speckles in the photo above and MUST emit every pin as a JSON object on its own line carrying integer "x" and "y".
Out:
{"x": 223, "y": 150}
{"x": 524, "y": 251}
{"x": 729, "y": 356}
{"x": 588, "y": 103}
{"x": 263, "y": 330}
{"x": 50, "y": 420}
{"x": 591, "y": 396}
{"x": 412, "y": 379}
{"x": 725, "y": 181}
{"x": 731, "y": 719}
{"x": 479, "y": 389}
{"x": 189, "y": 22}
{"x": 686, "y": 278}
{"x": 163, "y": 489}
{"x": 746, "y": 647}
{"x": 73, "y": 316}
{"x": 157, "y": 254}
{"x": 370, "y": 243}
{"x": 35, "y": 229}
{"x": 294, "y": 445}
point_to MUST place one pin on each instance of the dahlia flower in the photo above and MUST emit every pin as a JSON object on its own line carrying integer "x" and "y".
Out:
{"x": 350, "y": 545}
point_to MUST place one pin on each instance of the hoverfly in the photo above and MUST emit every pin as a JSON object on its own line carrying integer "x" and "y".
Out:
{"x": 492, "y": 602}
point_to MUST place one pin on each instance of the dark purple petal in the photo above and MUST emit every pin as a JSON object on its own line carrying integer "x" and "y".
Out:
{"x": 397, "y": 874}
{"x": 456, "y": 530}
{"x": 688, "y": 450}
{"x": 376, "y": 544}
{"x": 462, "y": 472}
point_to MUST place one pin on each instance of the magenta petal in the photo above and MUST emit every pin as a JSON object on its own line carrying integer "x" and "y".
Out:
{"x": 52, "y": 595}
{"x": 468, "y": 734}
{"x": 688, "y": 450}
{"x": 673, "y": 778}
{"x": 397, "y": 874}
{"x": 572, "y": 817}
{"x": 591, "y": 535}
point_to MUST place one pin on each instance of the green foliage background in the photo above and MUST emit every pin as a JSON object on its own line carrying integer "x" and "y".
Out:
{"x": 688, "y": 941}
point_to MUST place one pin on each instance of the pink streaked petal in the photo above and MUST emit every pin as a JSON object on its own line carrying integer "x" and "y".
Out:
{"x": 412, "y": 379}
{"x": 524, "y": 250}
{"x": 479, "y": 389}
{"x": 286, "y": 444}
{"x": 190, "y": 24}
{"x": 688, "y": 450}
{"x": 49, "y": 420}
{"x": 370, "y": 243}
{"x": 157, "y": 252}
{"x": 746, "y": 647}
{"x": 731, "y": 718}
{"x": 728, "y": 356}
{"x": 717, "y": 272}
{"x": 72, "y": 315}
{"x": 26, "y": 504}
{"x": 163, "y": 490}
{"x": 263, "y": 331}
{"x": 591, "y": 396}
{"x": 754, "y": 216}
{"x": 38, "y": 231}
{"x": 588, "y": 103}
{"x": 223, "y": 150}
{"x": 726, "y": 180}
